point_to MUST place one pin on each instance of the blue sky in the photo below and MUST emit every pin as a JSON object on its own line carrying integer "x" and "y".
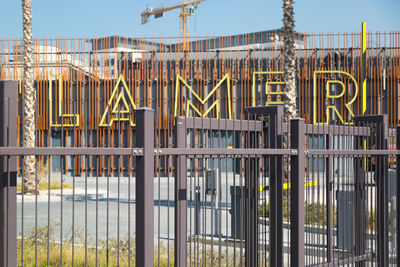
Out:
{"x": 94, "y": 18}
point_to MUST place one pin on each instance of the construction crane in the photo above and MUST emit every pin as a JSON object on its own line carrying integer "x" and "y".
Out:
{"x": 187, "y": 10}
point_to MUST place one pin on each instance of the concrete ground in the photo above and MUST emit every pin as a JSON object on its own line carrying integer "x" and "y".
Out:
{"x": 108, "y": 204}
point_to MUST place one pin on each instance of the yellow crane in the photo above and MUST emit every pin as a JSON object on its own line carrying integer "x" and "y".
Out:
{"x": 187, "y": 10}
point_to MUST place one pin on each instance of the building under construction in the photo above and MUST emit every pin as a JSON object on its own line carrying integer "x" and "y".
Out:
{"x": 88, "y": 88}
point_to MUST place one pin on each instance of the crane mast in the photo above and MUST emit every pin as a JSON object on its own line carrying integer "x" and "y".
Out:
{"x": 187, "y": 10}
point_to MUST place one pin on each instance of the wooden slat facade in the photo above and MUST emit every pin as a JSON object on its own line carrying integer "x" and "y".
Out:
{"x": 90, "y": 68}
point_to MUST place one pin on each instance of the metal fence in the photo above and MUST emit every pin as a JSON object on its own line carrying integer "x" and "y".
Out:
{"x": 260, "y": 191}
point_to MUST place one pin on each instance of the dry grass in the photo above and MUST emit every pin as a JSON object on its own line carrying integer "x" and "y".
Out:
{"x": 79, "y": 258}
{"x": 103, "y": 257}
{"x": 111, "y": 257}
{"x": 42, "y": 176}
{"x": 37, "y": 241}
{"x": 35, "y": 249}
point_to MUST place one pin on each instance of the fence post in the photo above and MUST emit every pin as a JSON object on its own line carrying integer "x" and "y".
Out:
{"x": 381, "y": 179}
{"x": 273, "y": 139}
{"x": 251, "y": 185}
{"x": 398, "y": 197}
{"x": 8, "y": 174}
{"x": 180, "y": 195}
{"x": 381, "y": 172}
{"x": 276, "y": 189}
{"x": 329, "y": 197}
{"x": 359, "y": 194}
{"x": 145, "y": 188}
{"x": 297, "y": 159}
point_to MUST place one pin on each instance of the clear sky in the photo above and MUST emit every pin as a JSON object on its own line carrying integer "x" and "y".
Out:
{"x": 95, "y": 18}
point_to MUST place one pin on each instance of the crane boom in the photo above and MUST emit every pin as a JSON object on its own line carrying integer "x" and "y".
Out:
{"x": 164, "y": 9}
{"x": 184, "y": 15}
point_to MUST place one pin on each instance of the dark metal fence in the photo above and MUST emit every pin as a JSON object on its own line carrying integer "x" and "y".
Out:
{"x": 256, "y": 192}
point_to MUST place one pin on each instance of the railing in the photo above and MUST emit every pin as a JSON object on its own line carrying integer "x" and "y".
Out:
{"x": 253, "y": 192}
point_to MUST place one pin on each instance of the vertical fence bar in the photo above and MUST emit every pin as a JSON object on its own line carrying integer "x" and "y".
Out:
{"x": 398, "y": 197}
{"x": 180, "y": 195}
{"x": 359, "y": 195}
{"x": 145, "y": 188}
{"x": 329, "y": 198}
{"x": 8, "y": 174}
{"x": 297, "y": 159}
{"x": 381, "y": 172}
{"x": 251, "y": 184}
{"x": 276, "y": 189}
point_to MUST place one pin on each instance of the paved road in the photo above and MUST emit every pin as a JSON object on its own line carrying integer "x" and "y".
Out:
{"x": 107, "y": 208}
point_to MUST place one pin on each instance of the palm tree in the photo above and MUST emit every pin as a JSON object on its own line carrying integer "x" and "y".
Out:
{"x": 289, "y": 67}
{"x": 29, "y": 101}
{"x": 289, "y": 75}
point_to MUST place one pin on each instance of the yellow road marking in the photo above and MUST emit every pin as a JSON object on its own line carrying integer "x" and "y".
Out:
{"x": 287, "y": 185}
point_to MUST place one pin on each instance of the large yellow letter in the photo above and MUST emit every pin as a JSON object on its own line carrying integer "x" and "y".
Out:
{"x": 116, "y": 113}
{"x": 60, "y": 112}
{"x": 268, "y": 92}
{"x": 334, "y": 96}
{"x": 189, "y": 103}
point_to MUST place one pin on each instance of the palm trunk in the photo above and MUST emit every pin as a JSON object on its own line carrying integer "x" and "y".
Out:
{"x": 29, "y": 103}
{"x": 289, "y": 73}
{"x": 289, "y": 67}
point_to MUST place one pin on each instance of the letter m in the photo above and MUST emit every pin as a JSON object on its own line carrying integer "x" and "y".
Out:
{"x": 203, "y": 101}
